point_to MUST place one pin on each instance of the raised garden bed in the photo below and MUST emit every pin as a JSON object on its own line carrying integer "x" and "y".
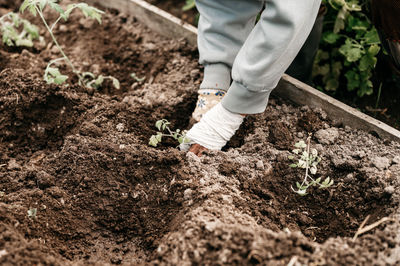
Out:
{"x": 103, "y": 196}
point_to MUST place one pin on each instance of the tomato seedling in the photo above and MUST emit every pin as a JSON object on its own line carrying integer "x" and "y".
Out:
{"x": 17, "y": 31}
{"x": 52, "y": 73}
{"x": 308, "y": 160}
{"x": 162, "y": 126}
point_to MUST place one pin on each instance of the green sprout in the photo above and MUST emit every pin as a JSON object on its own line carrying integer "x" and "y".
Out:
{"x": 163, "y": 125}
{"x": 17, "y": 31}
{"x": 32, "y": 213}
{"x": 135, "y": 77}
{"x": 52, "y": 73}
{"x": 307, "y": 159}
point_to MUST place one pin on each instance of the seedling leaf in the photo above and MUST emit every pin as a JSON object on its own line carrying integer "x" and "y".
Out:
{"x": 153, "y": 141}
{"x": 116, "y": 83}
{"x": 159, "y": 124}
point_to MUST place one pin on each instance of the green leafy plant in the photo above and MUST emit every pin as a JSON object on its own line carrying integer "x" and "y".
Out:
{"x": 348, "y": 50}
{"x": 162, "y": 126}
{"x": 17, "y": 31}
{"x": 307, "y": 159}
{"x": 52, "y": 72}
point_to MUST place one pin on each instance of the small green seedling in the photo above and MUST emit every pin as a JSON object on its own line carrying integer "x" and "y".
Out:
{"x": 163, "y": 125}
{"x": 307, "y": 159}
{"x": 32, "y": 213}
{"x": 52, "y": 73}
{"x": 17, "y": 31}
{"x": 135, "y": 77}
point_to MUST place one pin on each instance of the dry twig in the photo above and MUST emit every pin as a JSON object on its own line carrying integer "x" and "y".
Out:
{"x": 362, "y": 229}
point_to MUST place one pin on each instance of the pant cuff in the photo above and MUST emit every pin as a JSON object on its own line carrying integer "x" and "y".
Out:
{"x": 216, "y": 76}
{"x": 243, "y": 101}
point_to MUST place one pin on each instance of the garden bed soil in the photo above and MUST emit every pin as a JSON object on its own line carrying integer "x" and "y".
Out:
{"x": 386, "y": 109}
{"x": 103, "y": 196}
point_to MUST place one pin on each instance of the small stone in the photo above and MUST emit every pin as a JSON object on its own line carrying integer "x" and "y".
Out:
{"x": 319, "y": 147}
{"x": 96, "y": 68}
{"x": 260, "y": 165}
{"x": 54, "y": 50}
{"x": 44, "y": 180}
{"x": 327, "y": 136}
{"x": 349, "y": 178}
{"x": 285, "y": 108}
{"x": 13, "y": 165}
{"x": 63, "y": 28}
{"x": 305, "y": 108}
{"x": 347, "y": 129}
{"x": 86, "y": 23}
{"x": 396, "y": 160}
{"x": 361, "y": 154}
{"x": 90, "y": 129}
{"x": 150, "y": 46}
{"x": 300, "y": 135}
{"x": 390, "y": 190}
{"x": 187, "y": 194}
{"x": 381, "y": 162}
{"x": 192, "y": 157}
{"x": 194, "y": 73}
{"x": 120, "y": 127}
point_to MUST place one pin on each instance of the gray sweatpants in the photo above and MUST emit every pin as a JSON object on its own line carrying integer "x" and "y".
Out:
{"x": 255, "y": 56}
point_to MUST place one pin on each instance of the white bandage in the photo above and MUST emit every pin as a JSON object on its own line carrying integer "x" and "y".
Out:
{"x": 215, "y": 128}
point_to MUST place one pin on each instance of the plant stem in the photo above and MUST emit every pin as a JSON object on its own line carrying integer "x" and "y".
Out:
{"x": 307, "y": 161}
{"x": 379, "y": 96}
{"x": 56, "y": 43}
{"x": 4, "y": 16}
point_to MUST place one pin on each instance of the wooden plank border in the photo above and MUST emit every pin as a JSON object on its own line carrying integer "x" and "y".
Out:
{"x": 297, "y": 92}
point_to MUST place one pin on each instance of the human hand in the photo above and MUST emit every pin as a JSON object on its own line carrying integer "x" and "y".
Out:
{"x": 213, "y": 131}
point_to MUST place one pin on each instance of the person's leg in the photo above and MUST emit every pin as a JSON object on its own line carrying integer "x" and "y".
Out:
{"x": 267, "y": 53}
{"x": 302, "y": 65}
{"x": 223, "y": 27}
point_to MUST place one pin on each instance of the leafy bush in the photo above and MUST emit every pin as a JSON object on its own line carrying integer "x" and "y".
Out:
{"x": 348, "y": 50}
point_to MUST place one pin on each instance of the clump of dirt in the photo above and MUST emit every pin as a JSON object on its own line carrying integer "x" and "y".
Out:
{"x": 79, "y": 184}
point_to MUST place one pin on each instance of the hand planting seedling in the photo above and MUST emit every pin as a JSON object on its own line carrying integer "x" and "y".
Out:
{"x": 307, "y": 159}
{"x": 162, "y": 125}
{"x": 52, "y": 73}
{"x": 11, "y": 36}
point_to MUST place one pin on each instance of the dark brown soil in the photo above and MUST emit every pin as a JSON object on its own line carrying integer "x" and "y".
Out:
{"x": 102, "y": 196}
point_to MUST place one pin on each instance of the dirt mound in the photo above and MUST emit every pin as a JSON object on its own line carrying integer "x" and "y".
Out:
{"x": 79, "y": 184}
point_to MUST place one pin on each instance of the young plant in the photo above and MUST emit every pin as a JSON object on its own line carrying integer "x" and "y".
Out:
{"x": 52, "y": 73}
{"x": 308, "y": 160}
{"x": 10, "y": 25}
{"x": 163, "y": 125}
